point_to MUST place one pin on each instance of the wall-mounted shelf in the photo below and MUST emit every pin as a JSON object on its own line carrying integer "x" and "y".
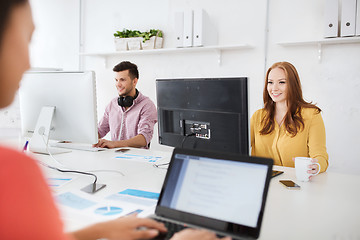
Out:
{"x": 217, "y": 49}
{"x": 319, "y": 43}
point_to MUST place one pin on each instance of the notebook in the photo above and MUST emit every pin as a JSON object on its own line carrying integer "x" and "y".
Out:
{"x": 222, "y": 192}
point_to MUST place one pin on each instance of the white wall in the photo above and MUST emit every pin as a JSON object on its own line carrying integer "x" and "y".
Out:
{"x": 54, "y": 45}
{"x": 236, "y": 22}
{"x": 55, "y": 42}
{"x": 333, "y": 83}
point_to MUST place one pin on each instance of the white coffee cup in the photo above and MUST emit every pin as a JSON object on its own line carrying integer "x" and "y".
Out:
{"x": 302, "y": 168}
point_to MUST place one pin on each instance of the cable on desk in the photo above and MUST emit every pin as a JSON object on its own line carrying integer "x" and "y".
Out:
{"x": 114, "y": 171}
{"x": 48, "y": 151}
{"x": 62, "y": 165}
{"x": 68, "y": 171}
{"x": 182, "y": 146}
{"x": 92, "y": 188}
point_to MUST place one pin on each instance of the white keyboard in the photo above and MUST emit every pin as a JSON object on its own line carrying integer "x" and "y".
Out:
{"x": 77, "y": 146}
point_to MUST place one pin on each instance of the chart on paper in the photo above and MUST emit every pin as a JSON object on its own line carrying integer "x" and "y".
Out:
{"x": 74, "y": 201}
{"x": 139, "y": 158}
{"x": 135, "y": 196}
{"x": 109, "y": 210}
{"x": 58, "y": 182}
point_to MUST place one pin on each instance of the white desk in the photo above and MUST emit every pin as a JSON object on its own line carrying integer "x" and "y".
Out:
{"x": 138, "y": 175}
{"x": 328, "y": 207}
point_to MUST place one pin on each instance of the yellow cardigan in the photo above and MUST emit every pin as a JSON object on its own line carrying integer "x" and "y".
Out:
{"x": 282, "y": 147}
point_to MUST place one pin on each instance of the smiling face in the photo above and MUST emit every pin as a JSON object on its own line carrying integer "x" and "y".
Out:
{"x": 124, "y": 84}
{"x": 277, "y": 85}
{"x": 14, "y": 51}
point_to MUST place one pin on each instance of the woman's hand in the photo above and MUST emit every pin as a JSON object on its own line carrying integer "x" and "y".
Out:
{"x": 124, "y": 228}
{"x": 313, "y": 168}
{"x": 196, "y": 234}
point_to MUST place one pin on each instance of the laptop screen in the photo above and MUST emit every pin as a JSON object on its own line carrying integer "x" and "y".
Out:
{"x": 227, "y": 190}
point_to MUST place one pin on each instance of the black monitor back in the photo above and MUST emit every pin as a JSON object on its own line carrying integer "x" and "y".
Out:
{"x": 213, "y": 111}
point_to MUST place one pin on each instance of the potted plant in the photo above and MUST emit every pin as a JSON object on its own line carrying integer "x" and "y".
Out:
{"x": 136, "y": 40}
{"x": 127, "y": 40}
{"x": 152, "y": 39}
{"x": 120, "y": 41}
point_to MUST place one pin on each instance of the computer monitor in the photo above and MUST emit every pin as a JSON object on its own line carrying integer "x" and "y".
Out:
{"x": 204, "y": 113}
{"x": 61, "y": 105}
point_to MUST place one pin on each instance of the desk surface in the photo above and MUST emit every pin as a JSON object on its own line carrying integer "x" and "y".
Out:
{"x": 328, "y": 207}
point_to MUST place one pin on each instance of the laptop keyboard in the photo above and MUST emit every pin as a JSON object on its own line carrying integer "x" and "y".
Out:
{"x": 172, "y": 229}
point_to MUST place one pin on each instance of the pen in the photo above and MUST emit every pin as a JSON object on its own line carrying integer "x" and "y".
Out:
{"x": 25, "y": 146}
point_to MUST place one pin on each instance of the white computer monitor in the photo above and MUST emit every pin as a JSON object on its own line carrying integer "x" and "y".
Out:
{"x": 68, "y": 101}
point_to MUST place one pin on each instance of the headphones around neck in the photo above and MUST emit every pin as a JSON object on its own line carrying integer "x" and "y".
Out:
{"x": 127, "y": 101}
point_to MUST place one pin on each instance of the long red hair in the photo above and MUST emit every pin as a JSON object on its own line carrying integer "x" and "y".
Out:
{"x": 293, "y": 121}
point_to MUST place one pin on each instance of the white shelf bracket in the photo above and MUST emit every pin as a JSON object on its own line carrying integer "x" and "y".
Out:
{"x": 319, "y": 52}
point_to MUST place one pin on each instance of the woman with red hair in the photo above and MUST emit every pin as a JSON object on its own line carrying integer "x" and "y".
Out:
{"x": 288, "y": 126}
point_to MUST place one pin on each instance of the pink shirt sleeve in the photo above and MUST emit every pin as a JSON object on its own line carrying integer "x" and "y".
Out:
{"x": 103, "y": 126}
{"x": 147, "y": 121}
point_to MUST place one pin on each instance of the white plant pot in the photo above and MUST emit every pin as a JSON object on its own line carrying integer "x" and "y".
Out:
{"x": 148, "y": 44}
{"x": 159, "y": 42}
{"x": 134, "y": 43}
{"x": 121, "y": 44}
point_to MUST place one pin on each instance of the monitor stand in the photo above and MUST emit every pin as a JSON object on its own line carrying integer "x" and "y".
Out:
{"x": 39, "y": 140}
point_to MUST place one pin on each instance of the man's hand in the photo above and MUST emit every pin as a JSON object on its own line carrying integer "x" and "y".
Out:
{"x": 137, "y": 142}
{"x": 103, "y": 143}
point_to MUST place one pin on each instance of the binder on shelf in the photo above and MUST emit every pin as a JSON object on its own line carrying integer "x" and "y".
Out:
{"x": 357, "y": 27}
{"x": 204, "y": 32}
{"x": 179, "y": 29}
{"x": 188, "y": 28}
{"x": 348, "y": 15}
{"x": 331, "y": 28}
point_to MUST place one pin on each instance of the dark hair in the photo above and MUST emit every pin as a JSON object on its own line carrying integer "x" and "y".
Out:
{"x": 126, "y": 65}
{"x": 293, "y": 121}
{"x": 6, "y": 6}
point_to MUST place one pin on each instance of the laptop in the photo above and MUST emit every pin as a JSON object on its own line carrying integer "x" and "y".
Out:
{"x": 221, "y": 192}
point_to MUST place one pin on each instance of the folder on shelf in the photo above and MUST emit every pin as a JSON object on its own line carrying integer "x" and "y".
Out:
{"x": 188, "y": 28}
{"x": 348, "y": 15}
{"x": 204, "y": 33}
{"x": 357, "y": 30}
{"x": 179, "y": 29}
{"x": 331, "y": 28}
